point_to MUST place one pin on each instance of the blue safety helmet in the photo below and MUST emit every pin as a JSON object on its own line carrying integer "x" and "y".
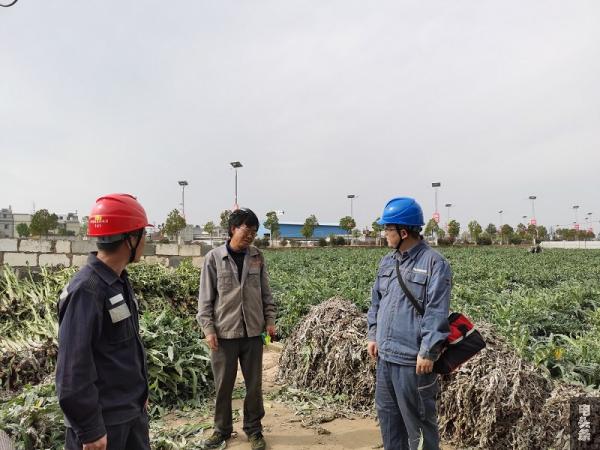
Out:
{"x": 402, "y": 211}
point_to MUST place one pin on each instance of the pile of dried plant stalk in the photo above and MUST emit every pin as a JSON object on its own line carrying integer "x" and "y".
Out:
{"x": 495, "y": 401}
{"x": 25, "y": 361}
{"x": 327, "y": 353}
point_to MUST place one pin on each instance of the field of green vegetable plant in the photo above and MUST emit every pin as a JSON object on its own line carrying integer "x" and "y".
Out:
{"x": 545, "y": 304}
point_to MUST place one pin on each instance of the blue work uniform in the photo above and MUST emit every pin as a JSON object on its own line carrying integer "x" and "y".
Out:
{"x": 405, "y": 401}
{"x": 101, "y": 373}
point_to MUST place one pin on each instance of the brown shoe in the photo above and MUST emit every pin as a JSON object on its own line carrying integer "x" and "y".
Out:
{"x": 216, "y": 440}
{"x": 257, "y": 442}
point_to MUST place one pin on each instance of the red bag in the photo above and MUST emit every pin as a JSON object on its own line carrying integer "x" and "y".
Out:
{"x": 462, "y": 344}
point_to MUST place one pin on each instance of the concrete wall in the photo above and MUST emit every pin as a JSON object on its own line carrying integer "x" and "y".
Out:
{"x": 572, "y": 244}
{"x": 67, "y": 253}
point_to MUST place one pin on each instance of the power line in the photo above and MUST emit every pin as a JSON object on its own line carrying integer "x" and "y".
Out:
{"x": 9, "y": 5}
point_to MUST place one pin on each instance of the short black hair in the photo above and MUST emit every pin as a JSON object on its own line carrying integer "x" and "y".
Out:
{"x": 112, "y": 247}
{"x": 413, "y": 231}
{"x": 242, "y": 216}
{"x": 109, "y": 247}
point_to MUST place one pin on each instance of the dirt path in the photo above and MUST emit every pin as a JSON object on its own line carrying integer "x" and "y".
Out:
{"x": 283, "y": 428}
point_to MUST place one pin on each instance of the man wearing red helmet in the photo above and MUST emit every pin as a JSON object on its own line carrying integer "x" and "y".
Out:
{"x": 101, "y": 374}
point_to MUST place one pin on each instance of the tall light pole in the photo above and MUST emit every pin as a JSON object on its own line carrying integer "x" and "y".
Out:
{"x": 352, "y": 197}
{"x": 591, "y": 224}
{"x": 500, "y": 214}
{"x": 183, "y": 184}
{"x": 236, "y": 165}
{"x": 533, "y": 219}
{"x": 448, "y": 206}
{"x": 436, "y": 213}
{"x": 575, "y": 208}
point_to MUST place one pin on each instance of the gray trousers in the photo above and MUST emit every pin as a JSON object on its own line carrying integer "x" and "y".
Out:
{"x": 249, "y": 352}
{"x": 406, "y": 407}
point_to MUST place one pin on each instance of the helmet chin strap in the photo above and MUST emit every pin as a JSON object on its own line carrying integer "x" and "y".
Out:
{"x": 401, "y": 239}
{"x": 133, "y": 249}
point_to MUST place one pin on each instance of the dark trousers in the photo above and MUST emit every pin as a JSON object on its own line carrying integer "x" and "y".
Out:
{"x": 406, "y": 407}
{"x": 249, "y": 352}
{"x": 132, "y": 435}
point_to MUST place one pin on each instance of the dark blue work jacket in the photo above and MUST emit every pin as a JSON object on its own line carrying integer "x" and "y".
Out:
{"x": 101, "y": 374}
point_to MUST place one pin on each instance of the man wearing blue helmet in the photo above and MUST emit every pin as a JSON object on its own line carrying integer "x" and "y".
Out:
{"x": 404, "y": 342}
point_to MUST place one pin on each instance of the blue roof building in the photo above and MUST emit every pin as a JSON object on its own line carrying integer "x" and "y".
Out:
{"x": 292, "y": 231}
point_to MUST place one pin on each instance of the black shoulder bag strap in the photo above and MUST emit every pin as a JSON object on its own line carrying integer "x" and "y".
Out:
{"x": 407, "y": 292}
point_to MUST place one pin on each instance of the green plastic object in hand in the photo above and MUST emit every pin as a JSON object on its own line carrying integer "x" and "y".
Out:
{"x": 266, "y": 338}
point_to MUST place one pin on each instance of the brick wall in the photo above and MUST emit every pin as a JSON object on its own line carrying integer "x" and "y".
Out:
{"x": 67, "y": 253}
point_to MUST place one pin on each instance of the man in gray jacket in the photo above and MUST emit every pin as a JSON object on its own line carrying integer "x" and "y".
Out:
{"x": 235, "y": 306}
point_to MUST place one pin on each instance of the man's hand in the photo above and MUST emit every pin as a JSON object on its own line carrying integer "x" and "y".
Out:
{"x": 100, "y": 444}
{"x": 271, "y": 330}
{"x": 212, "y": 341}
{"x": 424, "y": 366}
{"x": 372, "y": 349}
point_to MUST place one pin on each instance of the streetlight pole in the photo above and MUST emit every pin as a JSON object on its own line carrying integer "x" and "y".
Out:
{"x": 236, "y": 165}
{"x": 352, "y": 197}
{"x": 533, "y": 219}
{"x": 448, "y": 205}
{"x": 575, "y": 208}
{"x": 436, "y": 215}
{"x": 183, "y": 184}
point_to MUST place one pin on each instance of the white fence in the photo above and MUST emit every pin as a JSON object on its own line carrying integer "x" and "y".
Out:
{"x": 572, "y": 244}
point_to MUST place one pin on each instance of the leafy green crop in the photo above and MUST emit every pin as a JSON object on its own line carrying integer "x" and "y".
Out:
{"x": 545, "y": 304}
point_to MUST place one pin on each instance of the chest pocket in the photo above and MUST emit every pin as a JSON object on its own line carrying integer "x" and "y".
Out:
{"x": 117, "y": 324}
{"x": 254, "y": 274}
{"x": 416, "y": 282}
{"x": 225, "y": 277}
{"x": 385, "y": 276}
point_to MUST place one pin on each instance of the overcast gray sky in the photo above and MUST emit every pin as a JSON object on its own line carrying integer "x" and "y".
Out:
{"x": 497, "y": 100}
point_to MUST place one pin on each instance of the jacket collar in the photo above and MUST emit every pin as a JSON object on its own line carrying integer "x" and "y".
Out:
{"x": 412, "y": 252}
{"x": 222, "y": 252}
{"x": 106, "y": 273}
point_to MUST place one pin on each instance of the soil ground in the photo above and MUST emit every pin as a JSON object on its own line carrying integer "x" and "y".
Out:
{"x": 284, "y": 429}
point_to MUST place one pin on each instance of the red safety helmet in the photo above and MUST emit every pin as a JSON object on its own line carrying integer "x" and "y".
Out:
{"x": 115, "y": 215}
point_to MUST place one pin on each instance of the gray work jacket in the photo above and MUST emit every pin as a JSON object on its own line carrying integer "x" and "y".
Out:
{"x": 227, "y": 305}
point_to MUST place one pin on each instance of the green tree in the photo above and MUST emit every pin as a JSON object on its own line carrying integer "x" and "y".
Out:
{"x": 347, "y": 223}
{"x": 475, "y": 230}
{"x": 83, "y": 230}
{"x": 521, "y": 231}
{"x": 309, "y": 226}
{"x": 491, "y": 229}
{"x": 23, "y": 230}
{"x": 225, "y": 221}
{"x": 376, "y": 233}
{"x": 532, "y": 231}
{"x": 272, "y": 224}
{"x": 174, "y": 223}
{"x": 42, "y": 222}
{"x": 432, "y": 228}
{"x": 542, "y": 233}
{"x": 209, "y": 227}
{"x": 453, "y": 229}
{"x": 506, "y": 233}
